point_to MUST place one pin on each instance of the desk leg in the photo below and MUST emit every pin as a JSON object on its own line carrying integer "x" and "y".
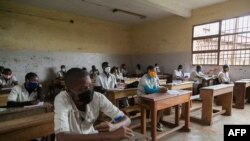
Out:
{"x": 187, "y": 116}
{"x": 153, "y": 122}
{"x": 143, "y": 120}
{"x": 227, "y": 103}
{"x": 177, "y": 115}
{"x": 207, "y": 108}
{"x": 239, "y": 93}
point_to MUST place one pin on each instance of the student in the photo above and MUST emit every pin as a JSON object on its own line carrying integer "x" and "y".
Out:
{"x": 223, "y": 76}
{"x": 7, "y": 79}
{"x": 197, "y": 77}
{"x": 157, "y": 68}
{"x": 149, "y": 84}
{"x": 77, "y": 109}
{"x": 124, "y": 70}
{"x": 94, "y": 72}
{"x": 138, "y": 71}
{"x": 29, "y": 93}
{"x": 118, "y": 75}
{"x": 106, "y": 79}
{"x": 61, "y": 73}
{"x": 178, "y": 74}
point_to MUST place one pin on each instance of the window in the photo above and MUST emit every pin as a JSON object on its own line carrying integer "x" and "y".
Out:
{"x": 222, "y": 42}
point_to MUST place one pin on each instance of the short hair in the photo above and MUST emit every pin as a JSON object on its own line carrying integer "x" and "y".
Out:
{"x": 63, "y": 66}
{"x": 198, "y": 67}
{"x": 150, "y": 67}
{"x": 73, "y": 76}
{"x": 105, "y": 64}
{"x": 30, "y": 75}
{"x": 6, "y": 71}
{"x": 113, "y": 69}
{"x": 225, "y": 66}
{"x": 180, "y": 67}
{"x": 156, "y": 64}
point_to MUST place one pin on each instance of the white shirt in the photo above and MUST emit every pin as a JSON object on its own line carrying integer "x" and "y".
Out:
{"x": 20, "y": 94}
{"x": 138, "y": 72}
{"x": 195, "y": 76}
{"x": 177, "y": 74}
{"x": 157, "y": 68}
{"x": 106, "y": 82}
{"x": 223, "y": 77}
{"x": 68, "y": 118}
{"x": 9, "y": 82}
{"x": 146, "y": 81}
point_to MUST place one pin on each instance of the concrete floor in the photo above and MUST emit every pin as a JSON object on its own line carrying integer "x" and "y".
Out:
{"x": 207, "y": 133}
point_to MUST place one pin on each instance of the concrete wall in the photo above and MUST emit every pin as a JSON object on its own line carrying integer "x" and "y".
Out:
{"x": 34, "y": 39}
{"x": 168, "y": 41}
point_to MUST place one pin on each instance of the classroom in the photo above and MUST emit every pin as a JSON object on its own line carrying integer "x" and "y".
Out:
{"x": 130, "y": 70}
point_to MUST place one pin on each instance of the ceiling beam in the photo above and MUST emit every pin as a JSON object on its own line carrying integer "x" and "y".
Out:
{"x": 173, "y": 6}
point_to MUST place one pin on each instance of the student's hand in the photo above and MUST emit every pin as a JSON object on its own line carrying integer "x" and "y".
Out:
{"x": 163, "y": 90}
{"x": 105, "y": 127}
{"x": 34, "y": 102}
{"x": 121, "y": 133}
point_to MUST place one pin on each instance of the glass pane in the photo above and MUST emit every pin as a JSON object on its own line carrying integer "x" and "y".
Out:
{"x": 205, "y": 44}
{"x": 237, "y": 41}
{"x": 228, "y": 26}
{"x": 243, "y": 24}
{"x": 235, "y": 25}
{"x": 238, "y": 57}
{"x": 205, "y": 58}
{"x": 206, "y": 29}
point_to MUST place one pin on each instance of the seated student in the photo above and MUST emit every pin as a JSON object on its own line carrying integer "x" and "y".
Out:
{"x": 29, "y": 93}
{"x": 223, "y": 76}
{"x": 7, "y": 79}
{"x": 94, "y": 72}
{"x": 197, "y": 77}
{"x": 118, "y": 75}
{"x": 157, "y": 68}
{"x": 77, "y": 109}
{"x": 61, "y": 73}
{"x": 178, "y": 74}
{"x": 124, "y": 70}
{"x": 106, "y": 79}
{"x": 138, "y": 71}
{"x": 149, "y": 84}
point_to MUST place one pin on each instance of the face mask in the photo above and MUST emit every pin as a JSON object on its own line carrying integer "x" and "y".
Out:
{"x": 63, "y": 69}
{"x": 198, "y": 69}
{"x": 226, "y": 69}
{"x": 107, "y": 69}
{"x": 152, "y": 74}
{"x": 32, "y": 85}
{"x": 7, "y": 76}
{"x": 86, "y": 97}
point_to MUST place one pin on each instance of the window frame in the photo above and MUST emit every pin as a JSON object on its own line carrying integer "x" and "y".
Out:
{"x": 219, "y": 35}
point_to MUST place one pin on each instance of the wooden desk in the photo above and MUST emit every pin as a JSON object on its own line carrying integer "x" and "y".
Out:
{"x": 5, "y": 90}
{"x": 207, "y": 94}
{"x": 115, "y": 94}
{"x": 27, "y": 128}
{"x": 207, "y": 81}
{"x": 20, "y": 112}
{"x": 3, "y": 99}
{"x": 160, "y": 101}
{"x": 240, "y": 93}
{"x": 129, "y": 80}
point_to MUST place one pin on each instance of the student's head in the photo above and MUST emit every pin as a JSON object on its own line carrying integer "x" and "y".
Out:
{"x": 124, "y": 66}
{"x": 63, "y": 68}
{"x": 151, "y": 71}
{"x": 180, "y": 67}
{"x": 84, "y": 68}
{"x": 156, "y": 64}
{"x": 93, "y": 67}
{"x": 225, "y": 68}
{"x": 7, "y": 73}
{"x": 113, "y": 70}
{"x": 79, "y": 86}
{"x": 105, "y": 66}
{"x": 138, "y": 66}
{"x": 31, "y": 81}
{"x": 198, "y": 68}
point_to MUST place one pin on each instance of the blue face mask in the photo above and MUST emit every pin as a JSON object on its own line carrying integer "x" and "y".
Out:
{"x": 32, "y": 85}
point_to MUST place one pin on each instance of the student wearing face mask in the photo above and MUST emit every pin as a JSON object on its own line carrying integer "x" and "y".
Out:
{"x": 77, "y": 108}
{"x": 61, "y": 73}
{"x": 223, "y": 76}
{"x": 106, "y": 80}
{"x": 149, "y": 84}
{"x": 29, "y": 93}
{"x": 178, "y": 74}
{"x": 197, "y": 77}
{"x": 7, "y": 79}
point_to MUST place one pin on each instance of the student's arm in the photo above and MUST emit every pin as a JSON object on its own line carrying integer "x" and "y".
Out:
{"x": 15, "y": 81}
{"x": 121, "y": 133}
{"x": 223, "y": 78}
{"x": 12, "y": 99}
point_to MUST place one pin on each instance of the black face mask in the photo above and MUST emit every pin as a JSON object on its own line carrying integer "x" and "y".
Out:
{"x": 86, "y": 96}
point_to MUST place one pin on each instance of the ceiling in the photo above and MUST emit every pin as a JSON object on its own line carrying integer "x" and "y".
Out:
{"x": 102, "y": 9}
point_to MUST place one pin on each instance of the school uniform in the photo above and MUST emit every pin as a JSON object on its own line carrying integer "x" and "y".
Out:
{"x": 224, "y": 77}
{"x": 177, "y": 73}
{"x": 20, "y": 94}
{"x": 107, "y": 82}
{"x": 8, "y": 82}
{"x": 148, "y": 85}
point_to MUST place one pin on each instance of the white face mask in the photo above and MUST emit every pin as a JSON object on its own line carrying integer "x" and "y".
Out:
{"x": 63, "y": 69}
{"x": 107, "y": 69}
